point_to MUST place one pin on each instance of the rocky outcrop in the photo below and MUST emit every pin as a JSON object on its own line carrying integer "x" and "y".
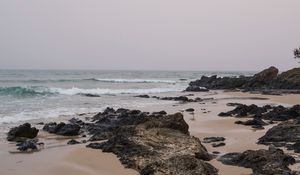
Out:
{"x": 267, "y": 81}
{"x": 22, "y": 132}
{"x": 267, "y": 112}
{"x": 62, "y": 129}
{"x": 215, "y": 82}
{"x": 244, "y": 111}
{"x": 263, "y": 78}
{"x": 262, "y": 162}
{"x": 286, "y": 132}
{"x": 287, "y": 80}
{"x": 145, "y": 142}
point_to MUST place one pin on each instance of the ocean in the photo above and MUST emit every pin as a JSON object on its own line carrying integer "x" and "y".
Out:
{"x": 43, "y": 94}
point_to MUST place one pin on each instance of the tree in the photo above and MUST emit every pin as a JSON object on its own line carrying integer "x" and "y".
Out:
{"x": 297, "y": 53}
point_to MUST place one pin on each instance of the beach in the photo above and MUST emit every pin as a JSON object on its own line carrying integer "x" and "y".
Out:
{"x": 59, "y": 158}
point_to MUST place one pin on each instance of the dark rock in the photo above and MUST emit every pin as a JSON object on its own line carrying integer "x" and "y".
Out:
{"x": 194, "y": 88}
{"x": 218, "y": 83}
{"x": 62, "y": 129}
{"x": 213, "y": 139}
{"x": 257, "y": 127}
{"x": 94, "y": 145}
{"x": 90, "y": 95}
{"x": 234, "y": 104}
{"x": 267, "y": 81}
{"x": 216, "y": 152}
{"x": 101, "y": 136}
{"x": 180, "y": 98}
{"x": 22, "y": 132}
{"x": 76, "y": 121}
{"x": 224, "y": 114}
{"x": 159, "y": 113}
{"x": 295, "y": 147}
{"x": 287, "y": 80}
{"x": 190, "y": 110}
{"x": 218, "y": 144}
{"x": 262, "y": 162}
{"x": 283, "y": 132}
{"x": 275, "y": 113}
{"x": 254, "y": 122}
{"x": 143, "y": 96}
{"x": 262, "y": 79}
{"x": 73, "y": 142}
{"x": 27, "y": 145}
{"x": 140, "y": 139}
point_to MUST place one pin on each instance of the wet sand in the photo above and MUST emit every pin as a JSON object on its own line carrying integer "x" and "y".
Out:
{"x": 61, "y": 159}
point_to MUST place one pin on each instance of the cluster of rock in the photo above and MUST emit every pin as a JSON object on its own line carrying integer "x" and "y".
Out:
{"x": 145, "y": 142}
{"x": 262, "y": 162}
{"x": 266, "y": 81}
{"x": 151, "y": 143}
{"x": 286, "y": 133}
{"x": 183, "y": 99}
{"x": 25, "y": 136}
{"x": 216, "y": 141}
{"x": 258, "y": 114}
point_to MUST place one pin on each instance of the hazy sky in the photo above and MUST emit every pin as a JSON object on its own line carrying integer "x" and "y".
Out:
{"x": 149, "y": 34}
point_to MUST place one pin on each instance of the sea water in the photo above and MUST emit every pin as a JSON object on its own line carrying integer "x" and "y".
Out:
{"x": 43, "y": 94}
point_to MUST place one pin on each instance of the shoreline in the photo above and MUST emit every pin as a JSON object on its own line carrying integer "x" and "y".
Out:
{"x": 72, "y": 159}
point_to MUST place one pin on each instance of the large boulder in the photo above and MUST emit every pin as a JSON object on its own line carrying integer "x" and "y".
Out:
{"x": 287, "y": 80}
{"x": 145, "y": 142}
{"x": 22, "y": 132}
{"x": 262, "y": 78}
{"x": 262, "y": 162}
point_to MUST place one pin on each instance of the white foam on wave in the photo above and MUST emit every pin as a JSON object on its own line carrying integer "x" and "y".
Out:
{"x": 134, "y": 80}
{"x": 46, "y": 114}
{"x": 99, "y": 91}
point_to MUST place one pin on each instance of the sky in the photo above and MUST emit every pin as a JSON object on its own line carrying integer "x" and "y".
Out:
{"x": 230, "y": 35}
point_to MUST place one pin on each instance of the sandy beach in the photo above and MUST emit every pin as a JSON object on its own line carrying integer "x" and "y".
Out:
{"x": 59, "y": 158}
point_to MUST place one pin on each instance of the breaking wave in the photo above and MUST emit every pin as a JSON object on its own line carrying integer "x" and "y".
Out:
{"x": 37, "y": 90}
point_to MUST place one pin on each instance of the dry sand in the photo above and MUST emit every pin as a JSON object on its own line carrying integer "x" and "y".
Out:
{"x": 61, "y": 159}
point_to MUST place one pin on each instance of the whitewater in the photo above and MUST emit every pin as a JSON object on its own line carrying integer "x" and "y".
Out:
{"x": 28, "y": 95}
